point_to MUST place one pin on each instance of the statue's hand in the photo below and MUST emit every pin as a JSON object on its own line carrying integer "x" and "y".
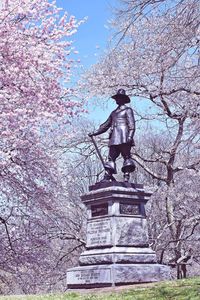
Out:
{"x": 90, "y": 134}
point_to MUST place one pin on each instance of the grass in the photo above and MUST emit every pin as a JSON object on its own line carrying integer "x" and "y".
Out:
{"x": 185, "y": 289}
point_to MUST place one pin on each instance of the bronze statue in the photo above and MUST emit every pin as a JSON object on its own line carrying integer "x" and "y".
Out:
{"x": 122, "y": 127}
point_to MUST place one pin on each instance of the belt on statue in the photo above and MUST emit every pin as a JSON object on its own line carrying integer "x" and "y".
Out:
{"x": 120, "y": 124}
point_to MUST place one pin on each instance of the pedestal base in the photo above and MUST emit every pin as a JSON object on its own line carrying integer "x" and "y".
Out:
{"x": 116, "y": 274}
{"x": 117, "y": 248}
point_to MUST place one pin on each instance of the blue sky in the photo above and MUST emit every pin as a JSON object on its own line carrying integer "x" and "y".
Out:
{"x": 93, "y": 33}
{"x": 91, "y": 38}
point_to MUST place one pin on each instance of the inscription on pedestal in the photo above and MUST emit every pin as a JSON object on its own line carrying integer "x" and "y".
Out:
{"x": 99, "y": 233}
{"x": 129, "y": 209}
{"x": 89, "y": 276}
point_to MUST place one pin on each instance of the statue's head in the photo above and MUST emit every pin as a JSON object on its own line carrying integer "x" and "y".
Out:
{"x": 121, "y": 97}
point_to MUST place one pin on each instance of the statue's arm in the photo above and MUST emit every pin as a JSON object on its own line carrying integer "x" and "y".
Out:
{"x": 131, "y": 123}
{"x": 103, "y": 127}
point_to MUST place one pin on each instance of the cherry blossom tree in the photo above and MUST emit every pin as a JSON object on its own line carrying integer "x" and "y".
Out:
{"x": 35, "y": 70}
{"x": 155, "y": 57}
{"x": 40, "y": 221}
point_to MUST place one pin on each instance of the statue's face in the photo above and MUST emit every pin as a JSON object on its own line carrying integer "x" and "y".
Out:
{"x": 120, "y": 101}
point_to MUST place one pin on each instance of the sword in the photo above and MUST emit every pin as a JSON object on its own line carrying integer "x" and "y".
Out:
{"x": 97, "y": 149}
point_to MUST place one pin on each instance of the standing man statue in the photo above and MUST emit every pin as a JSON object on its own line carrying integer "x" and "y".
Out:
{"x": 122, "y": 127}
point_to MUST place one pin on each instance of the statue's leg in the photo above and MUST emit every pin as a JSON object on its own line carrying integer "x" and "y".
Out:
{"x": 110, "y": 166}
{"x": 126, "y": 176}
{"x": 114, "y": 152}
{"x": 128, "y": 165}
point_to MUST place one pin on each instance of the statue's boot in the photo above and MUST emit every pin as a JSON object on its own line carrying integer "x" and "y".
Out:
{"x": 110, "y": 169}
{"x": 128, "y": 165}
{"x": 127, "y": 168}
{"x": 108, "y": 177}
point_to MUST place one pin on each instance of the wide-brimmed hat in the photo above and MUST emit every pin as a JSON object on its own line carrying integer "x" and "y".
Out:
{"x": 122, "y": 95}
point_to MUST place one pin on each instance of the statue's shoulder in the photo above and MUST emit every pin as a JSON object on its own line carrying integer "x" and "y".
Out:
{"x": 128, "y": 108}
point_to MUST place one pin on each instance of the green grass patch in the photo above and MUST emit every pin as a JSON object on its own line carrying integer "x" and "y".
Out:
{"x": 185, "y": 289}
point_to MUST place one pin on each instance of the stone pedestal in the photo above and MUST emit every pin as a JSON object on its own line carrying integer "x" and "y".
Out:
{"x": 117, "y": 250}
